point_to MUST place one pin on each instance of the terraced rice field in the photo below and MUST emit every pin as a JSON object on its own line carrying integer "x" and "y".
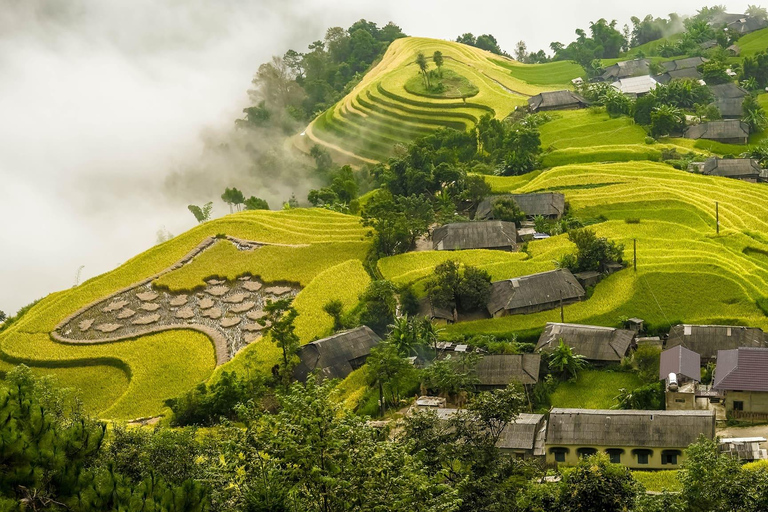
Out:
{"x": 133, "y": 378}
{"x": 686, "y": 272}
{"x": 380, "y": 113}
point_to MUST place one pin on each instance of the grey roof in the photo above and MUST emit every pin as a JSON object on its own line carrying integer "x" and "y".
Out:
{"x": 731, "y": 167}
{"x": 708, "y": 339}
{"x": 533, "y": 290}
{"x": 730, "y": 107}
{"x": 593, "y": 342}
{"x": 744, "y": 369}
{"x": 501, "y": 369}
{"x": 521, "y": 433}
{"x": 723, "y": 18}
{"x": 635, "y": 85}
{"x": 678, "y": 64}
{"x": 678, "y": 74}
{"x": 426, "y": 308}
{"x": 728, "y": 90}
{"x": 642, "y": 429}
{"x": 546, "y": 204}
{"x": 719, "y": 130}
{"x": 336, "y": 356}
{"x": 553, "y": 100}
{"x": 489, "y": 234}
{"x": 746, "y": 24}
{"x": 680, "y": 361}
{"x": 627, "y": 69}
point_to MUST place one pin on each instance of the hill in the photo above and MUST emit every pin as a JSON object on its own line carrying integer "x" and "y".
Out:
{"x": 131, "y": 371}
{"x": 390, "y": 106}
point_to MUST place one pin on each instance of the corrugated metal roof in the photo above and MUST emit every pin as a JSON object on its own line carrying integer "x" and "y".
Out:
{"x": 501, "y": 369}
{"x": 643, "y": 429}
{"x": 593, "y": 342}
{"x": 533, "y": 290}
{"x": 489, "y": 234}
{"x": 707, "y": 340}
{"x": 680, "y": 361}
{"x": 635, "y": 85}
{"x": 335, "y": 356}
{"x": 744, "y": 369}
{"x": 556, "y": 100}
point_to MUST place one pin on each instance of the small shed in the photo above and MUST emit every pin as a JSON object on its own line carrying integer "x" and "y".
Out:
{"x": 707, "y": 340}
{"x": 533, "y": 293}
{"x": 588, "y": 278}
{"x": 597, "y": 344}
{"x": 729, "y": 131}
{"x": 497, "y": 371}
{"x": 745, "y": 169}
{"x": 548, "y": 204}
{"x": 336, "y": 356}
{"x": 490, "y": 234}
{"x": 556, "y": 100}
{"x": 684, "y": 363}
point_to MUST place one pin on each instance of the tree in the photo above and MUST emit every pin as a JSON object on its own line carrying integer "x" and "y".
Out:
{"x": 596, "y": 484}
{"x": 255, "y": 203}
{"x": 335, "y": 308}
{"x": 593, "y": 252}
{"x": 506, "y": 209}
{"x": 467, "y": 39}
{"x": 488, "y": 43}
{"x": 666, "y": 120}
{"x": 754, "y": 115}
{"x": 757, "y": 12}
{"x": 564, "y": 362}
{"x": 385, "y": 365}
{"x": 378, "y": 306}
{"x": 521, "y": 51}
{"x": 202, "y": 214}
{"x": 421, "y": 62}
{"x": 279, "y": 323}
{"x": 714, "y": 72}
{"x": 453, "y": 374}
{"x": 403, "y": 335}
{"x": 3, "y": 316}
{"x": 617, "y": 104}
{"x": 233, "y": 197}
{"x": 474, "y": 289}
{"x": 437, "y": 58}
{"x": 443, "y": 288}
{"x": 398, "y": 221}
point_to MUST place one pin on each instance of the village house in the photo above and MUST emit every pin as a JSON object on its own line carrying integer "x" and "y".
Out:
{"x": 729, "y": 99}
{"x": 741, "y": 376}
{"x": 746, "y": 24}
{"x": 556, "y": 100}
{"x": 596, "y": 344}
{"x": 489, "y": 234}
{"x": 729, "y": 131}
{"x": 680, "y": 69}
{"x": 550, "y": 205}
{"x": 706, "y": 340}
{"x": 626, "y": 69}
{"x": 680, "y": 369}
{"x": 635, "y": 87}
{"x": 534, "y": 293}
{"x": 336, "y": 356}
{"x": 745, "y": 169}
{"x": 438, "y": 315}
{"x": 678, "y": 74}
{"x": 497, "y": 371}
{"x": 636, "y": 439}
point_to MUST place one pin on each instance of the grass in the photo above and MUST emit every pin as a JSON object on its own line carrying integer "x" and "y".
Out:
{"x": 588, "y": 128}
{"x": 133, "y": 378}
{"x": 753, "y": 43}
{"x": 593, "y": 389}
{"x": 453, "y": 85}
{"x": 548, "y": 74}
{"x": 659, "y": 481}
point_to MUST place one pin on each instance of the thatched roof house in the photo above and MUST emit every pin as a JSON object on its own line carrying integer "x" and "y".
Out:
{"x": 708, "y": 339}
{"x": 547, "y": 204}
{"x": 744, "y": 369}
{"x": 680, "y": 361}
{"x": 678, "y": 74}
{"x": 635, "y": 87}
{"x": 598, "y": 344}
{"x": 678, "y": 64}
{"x": 746, "y": 24}
{"x": 536, "y": 292}
{"x": 729, "y": 131}
{"x": 729, "y": 99}
{"x": 746, "y": 169}
{"x": 498, "y": 370}
{"x": 489, "y": 234}
{"x": 556, "y": 100}
{"x": 637, "y": 439}
{"x": 626, "y": 69}
{"x": 337, "y": 356}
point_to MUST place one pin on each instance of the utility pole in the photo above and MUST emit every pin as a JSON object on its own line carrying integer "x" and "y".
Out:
{"x": 717, "y": 216}
{"x": 562, "y": 313}
{"x": 634, "y": 250}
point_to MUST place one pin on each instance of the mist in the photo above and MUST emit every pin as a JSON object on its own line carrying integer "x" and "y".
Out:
{"x": 113, "y": 115}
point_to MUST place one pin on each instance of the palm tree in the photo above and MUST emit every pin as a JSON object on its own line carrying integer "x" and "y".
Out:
{"x": 437, "y": 58}
{"x": 565, "y": 362}
{"x": 421, "y": 61}
{"x": 403, "y": 335}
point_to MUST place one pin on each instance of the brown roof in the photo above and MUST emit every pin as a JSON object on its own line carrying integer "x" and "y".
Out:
{"x": 533, "y": 290}
{"x": 719, "y": 130}
{"x": 337, "y": 356}
{"x": 489, "y": 234}
{"x": 553, "y": 100}
{"x": 680, "y": 361}
{"x": 501, "y": 369}
{"x": 744, "y": 369}
{"x": 708, "y": 339}
{"x": 643, "y": 429}
{"x": 546, "y": 204}
{"x": 732, "y": 167}
{"x": 593, "y": 342}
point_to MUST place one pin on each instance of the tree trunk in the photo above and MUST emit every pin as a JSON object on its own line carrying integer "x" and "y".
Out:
{"x": 381, "y": 399}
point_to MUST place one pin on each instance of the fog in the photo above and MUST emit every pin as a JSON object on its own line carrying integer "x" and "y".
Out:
{"x": 101, "y": 101}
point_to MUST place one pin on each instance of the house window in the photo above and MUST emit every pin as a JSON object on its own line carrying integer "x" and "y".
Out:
{"x": 559, "y": 454}
{"x": 585, "y": 452}
{"x": 615, "y": 454}
{"x": 669, "y": 457}
{"x": 738, "y": 405}
{"x": 642, "y": 456}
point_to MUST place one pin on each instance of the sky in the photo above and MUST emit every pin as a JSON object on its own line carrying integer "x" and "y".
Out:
{"x": 101, "y": 100}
